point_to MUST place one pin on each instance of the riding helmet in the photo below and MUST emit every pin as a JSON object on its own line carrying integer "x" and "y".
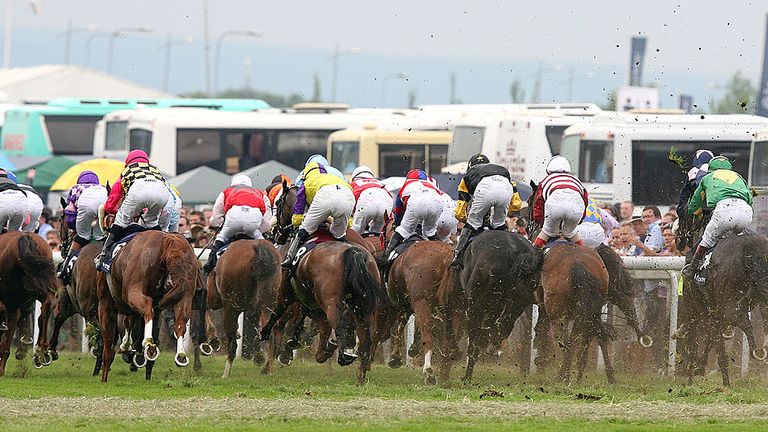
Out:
{"x": 477, "y": 160}
{"x": 363, "y": 172}
{"x": 558, "y": 164}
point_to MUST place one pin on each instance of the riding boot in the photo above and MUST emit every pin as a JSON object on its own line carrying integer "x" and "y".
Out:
{"x": 301, "y": 236}
{"x": 458, "y": 253}
{"x": 213, "y": 256}
{"x": 692, "y": 267}
{"x": 393, "y": 242}
{"x": 115, "y": 234}
{"x": 65, "y": 272}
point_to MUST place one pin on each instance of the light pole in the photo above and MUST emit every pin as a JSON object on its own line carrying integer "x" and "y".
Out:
{"x": 167, "y": 48}
{"x": 36, "y": 9}
{"x": 67, "y": 35}
{"x": 335, "y": 74}
{"x": 539, "y": 75}
{"x": 122, "y": 32}
{"x": 88, "y": 43}
{"x": 572, "y": 77}
{"x": 400, "y": 76}
{"x": 219, "y": 40}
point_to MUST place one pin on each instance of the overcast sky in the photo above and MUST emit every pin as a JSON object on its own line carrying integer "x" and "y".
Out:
{"x": 487, "y": 44}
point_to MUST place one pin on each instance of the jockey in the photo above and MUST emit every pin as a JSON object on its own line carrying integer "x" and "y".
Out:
{"x": 34, "y": 205}
{"x": 373, "y": 201}
{"x": 82, "y": 214}
{"x": 725, "y": 191}
{"x": 560, "y": 203}
{"x": 701, "y": 160}
{"x": 596, "y": 225}
{"x": 169, "y": 218}
{"x": 274, "y": 189}
{"x": 321, "y": 195}
{"x": 492, "y": 192}
{"x": 140, "y": 186}
{"x": 243, "y": 209}
{"x": 417, "y": 202}
{"x": 320, "y": 160}
{"x": 13, "y": 203}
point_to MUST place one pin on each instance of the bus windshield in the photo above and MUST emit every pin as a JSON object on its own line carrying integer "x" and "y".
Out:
{"x": 71, "y": 135}
{"x": 117, "y": 132}
{"x": 555, "y": 137}
{"x": 345, "y": 155}
{"x": 467, "y": 141}
{"x": 591, "y": 160}
{"x": 760, "y": 164}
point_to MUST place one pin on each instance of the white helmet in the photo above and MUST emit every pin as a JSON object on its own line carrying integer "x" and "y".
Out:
{"x": 242, "y": 180}
{"x": 363, "y": 172}
{"x": 558, "y": 164}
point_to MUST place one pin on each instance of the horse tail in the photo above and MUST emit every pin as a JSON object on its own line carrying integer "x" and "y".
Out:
{"x": 177, "y": 258}
{"x": 367, "y": 294}
{"x": 756, "y": 264}
{"x": 619, "y": 281}
{"x": 264, "y": 264}
{"x": 39, "y": 272}
{"x": 528, "y": 259}
{"x": 589, "y": 300}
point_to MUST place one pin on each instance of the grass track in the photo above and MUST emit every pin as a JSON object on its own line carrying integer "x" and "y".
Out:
{"x": 319, "y": 397}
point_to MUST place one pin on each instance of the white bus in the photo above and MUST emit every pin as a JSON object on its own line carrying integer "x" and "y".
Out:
{"x": 522, "y": 140}
{"x": 181, "y": 139}
{"x": 624, "y": 156}
{"x": 758, "y": 180}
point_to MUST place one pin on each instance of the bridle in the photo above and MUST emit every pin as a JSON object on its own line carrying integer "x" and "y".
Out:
{"x": 284, "y": 228}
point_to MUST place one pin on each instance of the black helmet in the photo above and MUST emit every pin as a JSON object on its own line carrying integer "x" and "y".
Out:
{"x": 477, "y": 160}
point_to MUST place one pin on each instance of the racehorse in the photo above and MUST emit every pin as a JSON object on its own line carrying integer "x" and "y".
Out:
{"x": 338, "y": 286}
{"x": 26, "y": 274}
{"x": 152, "y": 272}
{"x": 421, "y": 282}
{"x": 246, "y": 280}
{"x": 499, "y": 275}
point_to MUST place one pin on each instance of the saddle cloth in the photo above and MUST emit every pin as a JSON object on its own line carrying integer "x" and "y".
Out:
{"x": 318, "y": 237}
{"x": 235, "y": 238}
{"x": 109, "y": 256}
{"x": 700, "y": 277}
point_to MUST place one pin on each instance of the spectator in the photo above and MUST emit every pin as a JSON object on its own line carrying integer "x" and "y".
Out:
{"x": 670, "y": 240}
{"x": 207, "y": 212}
{"x": 183, "y": 225}
{"x": 196, "y": 218}
{"x": 628, "y": 240}
{"x": 184, "y": 212}
{"x": 54, "y": 242}
{"x": 668, "y": 219}
{"x": 44, "y": 227}
{"x": 627, "y": 209}
{"x": 615, "y": 240}
{"x": 652, "y": 239}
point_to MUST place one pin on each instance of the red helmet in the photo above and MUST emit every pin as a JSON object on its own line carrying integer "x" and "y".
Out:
{"x": 416, "y": 174}
{"x": 136, "y": 156}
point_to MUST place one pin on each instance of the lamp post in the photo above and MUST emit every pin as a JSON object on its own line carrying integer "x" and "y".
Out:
{"x": 335, "y": 73}
{"x": 7, "y": 45}
{"x": 572, "y": 77}
{"x": 400, "y": 76}
{"x": 122, "y": 32}
{"x": 67, "y": 35}
{"x": 88, "y": 43}
{"x": 167, "y": 48}
{"x": 219, "y": 40}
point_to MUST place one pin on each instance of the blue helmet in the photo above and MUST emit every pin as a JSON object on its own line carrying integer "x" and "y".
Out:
{"x": 11, "y": 176}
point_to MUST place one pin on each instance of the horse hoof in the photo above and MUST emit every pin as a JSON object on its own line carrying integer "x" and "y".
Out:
{"x": 127, "y": 356}
{"x": 729, "y": 334}
{"x": 293, "y": 344}
{"x": 466, "y": 380}
{"x": 36, "y": 362}
{"x": 181, "y": 360}
{"x": 347, "y": 357}
{"x": 139, "y": 361}
{"x": 26, "y": 340}
{"x": 151, "y": 351}
{"x": 414, "y": 351}
{"x": 215, "y": 344}
{"x": 205, "y": 349}
{"x": 646, "y": 341}
{"x": 54, "y": 355}
{"x": 285, "y": 360}
{"x": 258, "y": 359}
{"x": 395, "y": 362}
{"x": 430, "y": 380}
{"x": 19, "y": 355}
{"x": 760, "y": 354}
{"x": 93, "y": 352}
{"x": 47, "y": 358}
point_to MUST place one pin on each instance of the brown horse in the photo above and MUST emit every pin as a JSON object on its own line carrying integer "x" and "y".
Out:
{"x": 26, "y": 274}
{"x": 152, "y": 272}
{"x": 246, "y": 280}
{"x": 338, "y": 286}
{"x": 421, "y": 282}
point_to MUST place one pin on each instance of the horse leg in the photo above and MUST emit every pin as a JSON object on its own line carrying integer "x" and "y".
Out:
{"x": 572, "y": 341}
{"x": 108, "y": 325}
{"x": 230, "y": 336}
{"x": 155, "y": 336}
{"x": 251, "y": 321}
{"x": 48, "y": 303}
{"x": 12, "y": 317}
{"x": 284, "y": 301}
{"x": 364, "y": 351}
{"x": 396, "y": 342}
{"x": 325, "y": 347}
{"x": 24, "y": 331}
{"x": 99, "y": 351}
{"x": 142, "y": 304}
{"x": 607, "y": 361}
{"x": 286, "y": 356}
{"x": 65, "y": 310}
{"x": 722, "y": 359}
{"x": 542, "y": 340}
{"x": 423, "y": 319}
{"x": 473, "y": 351}
{"x": 745, "y": 325}
{"x": 340, "y": 325}
{"x": 182, "y": 312}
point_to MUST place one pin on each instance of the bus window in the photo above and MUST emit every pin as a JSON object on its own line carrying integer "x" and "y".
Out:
{"x": 438, "y": 158}
{"x": 196, "y": 147}
{"x": 396, "y": 160}
{"x": 466, "y": 141}
{"x": 253, "y": 145}
{"x": 116, "y": 134}
{"x": 71, "y": 135}
{"x": 760, "y": 164}
{"x": 140, "y": 139}
{"x": 655, "y": 180}
{"x": 295, "y": 147}
{"x": 345, "y": 155}
{"x": 591, "y": 160}
{"x": 555, "y": 137}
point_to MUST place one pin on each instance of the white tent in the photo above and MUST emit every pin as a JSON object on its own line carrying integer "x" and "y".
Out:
{"x": 43, "y": 83}
{"x": 201, "y": 185}
{"x": 263, "y": 174}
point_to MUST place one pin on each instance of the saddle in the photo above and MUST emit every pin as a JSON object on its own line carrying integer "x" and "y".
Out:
{"x": 234, "y": 238}
{"x": 700, "y": 277}
{"x": 130, "y": 232}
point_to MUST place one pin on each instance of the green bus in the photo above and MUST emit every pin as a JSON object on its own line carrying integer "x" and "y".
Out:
{"x": 65, "y": 126}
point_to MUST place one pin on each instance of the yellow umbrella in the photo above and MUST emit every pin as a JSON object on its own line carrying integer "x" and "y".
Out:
{"x": 108, "y": 170}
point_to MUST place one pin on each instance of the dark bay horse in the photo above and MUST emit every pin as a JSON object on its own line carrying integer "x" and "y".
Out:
{"x": 246, "y": 280}
{"x": 499, "y": 277}
{"x": 421, "y": 282}
{"x": 26, "y": 274}
{"x": 338, "y": 286}
{"x": 152, "y": 272}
